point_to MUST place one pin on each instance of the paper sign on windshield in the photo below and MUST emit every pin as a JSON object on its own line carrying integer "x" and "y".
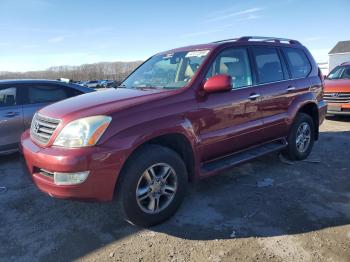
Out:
{"x": 199, "y": 53}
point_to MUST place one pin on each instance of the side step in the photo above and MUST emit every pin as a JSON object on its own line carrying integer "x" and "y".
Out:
{"x": 241, "y": 157}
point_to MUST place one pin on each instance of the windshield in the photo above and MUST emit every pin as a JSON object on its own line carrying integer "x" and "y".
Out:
{"x": 340, "y": 72}
{"x": 169, "y": 71}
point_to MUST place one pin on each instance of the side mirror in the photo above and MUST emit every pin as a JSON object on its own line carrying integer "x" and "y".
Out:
{"x": 218, "y": 83}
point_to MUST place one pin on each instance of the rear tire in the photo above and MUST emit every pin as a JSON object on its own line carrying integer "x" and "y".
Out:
{"x": 152, "y": 186}
{"x": 301, "y": 138}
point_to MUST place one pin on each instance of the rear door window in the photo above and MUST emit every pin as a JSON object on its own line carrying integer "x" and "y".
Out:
{"x": 268, "y": 63}
{"x": 46, "y": 93}
{"x": 235, "y": 63}
{"x": 298, "y": 63}
{"x": 8, "y": 96}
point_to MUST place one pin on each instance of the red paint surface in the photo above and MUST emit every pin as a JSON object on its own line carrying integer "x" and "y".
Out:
{"x": 215, "y": 124}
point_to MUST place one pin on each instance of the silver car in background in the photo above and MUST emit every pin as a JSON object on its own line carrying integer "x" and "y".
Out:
{"x": 20, "y": 99}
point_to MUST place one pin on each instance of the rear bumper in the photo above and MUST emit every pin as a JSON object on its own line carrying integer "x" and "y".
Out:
{"x": 104, "y": 166}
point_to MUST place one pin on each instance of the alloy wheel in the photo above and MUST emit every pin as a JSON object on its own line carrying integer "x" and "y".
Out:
{"x": 156, "y": 188}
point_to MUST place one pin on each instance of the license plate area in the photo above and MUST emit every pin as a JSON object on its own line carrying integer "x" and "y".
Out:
{"x": 334, "y": 108}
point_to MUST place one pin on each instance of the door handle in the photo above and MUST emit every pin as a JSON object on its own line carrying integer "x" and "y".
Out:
{"x": 290, "y": 88}
{"x": 254, "y": 96}
{"x": 11, "y": 114}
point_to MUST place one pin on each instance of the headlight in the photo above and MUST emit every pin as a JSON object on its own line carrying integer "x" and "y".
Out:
{"x": 83, "y": 132}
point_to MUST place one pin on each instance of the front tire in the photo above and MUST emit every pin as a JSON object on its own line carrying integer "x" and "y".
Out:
{"x": 152, "y": 186}
{"x": 301, "y": 138}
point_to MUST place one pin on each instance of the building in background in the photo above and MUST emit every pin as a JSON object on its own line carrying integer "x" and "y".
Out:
{"x": 339, "y": 54}
{"x": 324, "y": 67}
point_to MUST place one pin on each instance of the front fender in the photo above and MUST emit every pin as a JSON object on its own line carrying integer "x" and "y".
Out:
{"x": 127, "y": 141}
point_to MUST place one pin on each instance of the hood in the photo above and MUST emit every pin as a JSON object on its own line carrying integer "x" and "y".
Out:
{"x": 102, "y": 102}
{"x": 337, "y": 85}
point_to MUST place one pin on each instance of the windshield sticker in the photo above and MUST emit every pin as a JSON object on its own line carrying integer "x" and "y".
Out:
{"x": 167, "y": 56}
{"x": 199, "y": 53}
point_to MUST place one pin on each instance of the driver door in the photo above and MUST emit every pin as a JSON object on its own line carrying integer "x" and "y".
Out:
{"x": 230, "y": 121}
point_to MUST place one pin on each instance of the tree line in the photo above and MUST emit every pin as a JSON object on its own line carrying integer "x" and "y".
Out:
{"x": 104, "y": 70}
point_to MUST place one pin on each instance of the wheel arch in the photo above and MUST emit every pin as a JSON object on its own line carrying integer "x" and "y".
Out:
{"x": 180, "y": 137}
{"x": 311, "y": 109}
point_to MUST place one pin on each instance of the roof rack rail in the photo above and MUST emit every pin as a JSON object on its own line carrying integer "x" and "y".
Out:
{"x": 261, "y": 38}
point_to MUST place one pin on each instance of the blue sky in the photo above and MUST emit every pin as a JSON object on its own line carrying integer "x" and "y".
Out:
{"x": 37, "y": 34}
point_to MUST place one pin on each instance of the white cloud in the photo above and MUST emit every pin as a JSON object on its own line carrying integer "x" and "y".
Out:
{"x": 311, "y": 39}
{"x": 249, "y": 17}
{"x": 56, "y": 39}
{"x": 243, "y": 14}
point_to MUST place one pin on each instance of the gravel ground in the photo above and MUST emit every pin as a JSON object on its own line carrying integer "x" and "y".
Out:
{"x": 300, "y": 212}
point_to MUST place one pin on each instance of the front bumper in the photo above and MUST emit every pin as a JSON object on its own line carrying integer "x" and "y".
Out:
{"x": 104, "y": 166}
{"x": 338, "y": 109}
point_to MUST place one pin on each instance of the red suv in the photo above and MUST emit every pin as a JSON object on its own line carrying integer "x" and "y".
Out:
{"x": 337, "y": 90}
{"x": 184, "y": 114}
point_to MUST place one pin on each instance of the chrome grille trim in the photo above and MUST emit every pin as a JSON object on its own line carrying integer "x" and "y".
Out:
{"x": 337, "y": 97}
{"x": 42, "y": 128}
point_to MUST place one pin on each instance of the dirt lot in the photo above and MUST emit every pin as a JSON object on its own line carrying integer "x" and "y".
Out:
{"x": 303, "y": 216}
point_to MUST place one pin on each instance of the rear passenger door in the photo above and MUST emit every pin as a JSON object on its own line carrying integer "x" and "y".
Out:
{"x": 11, "y": 117}
{"x": 276, "y": 90}
{"x": 37, "y": 96}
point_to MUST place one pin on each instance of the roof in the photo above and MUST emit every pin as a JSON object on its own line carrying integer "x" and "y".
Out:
{"x": 243, "y": 39}
{"x": 341, "y": 47}
{"x": 28, "y": 81}
{"x": 346, "y": 64}
{"x": 46, "y": 81}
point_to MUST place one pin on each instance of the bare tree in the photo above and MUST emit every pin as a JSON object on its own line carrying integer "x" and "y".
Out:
{"x": 104, "y": 70}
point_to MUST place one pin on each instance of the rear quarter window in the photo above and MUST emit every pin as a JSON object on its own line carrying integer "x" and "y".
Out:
{"x": 299, "y": 64}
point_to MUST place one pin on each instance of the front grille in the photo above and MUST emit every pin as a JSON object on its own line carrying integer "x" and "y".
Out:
{"x": 42, "y": 128}
{"x": 341, "y": 98}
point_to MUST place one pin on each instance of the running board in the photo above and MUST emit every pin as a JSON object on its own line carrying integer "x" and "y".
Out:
{"x": 241, "y": 157}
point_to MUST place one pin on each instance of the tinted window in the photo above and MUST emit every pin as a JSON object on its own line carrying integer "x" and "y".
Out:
{"x": 7, "y": 96}
{"x": 298, "y": 63}
{"x": 340, "y": 72}
{"x": 46, "y": 93}
{"x": 235, "y": 63}
{"x": 268, "y": 64}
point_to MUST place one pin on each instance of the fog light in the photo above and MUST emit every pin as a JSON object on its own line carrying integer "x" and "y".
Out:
{"x": 70, "y": 178}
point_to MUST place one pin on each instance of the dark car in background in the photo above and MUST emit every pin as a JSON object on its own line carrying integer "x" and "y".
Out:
{"x": 20, "y": 99}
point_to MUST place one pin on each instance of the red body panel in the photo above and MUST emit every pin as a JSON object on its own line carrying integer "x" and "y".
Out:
{"x": 214, "y": 124}
{"x": 337, "y": 85}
